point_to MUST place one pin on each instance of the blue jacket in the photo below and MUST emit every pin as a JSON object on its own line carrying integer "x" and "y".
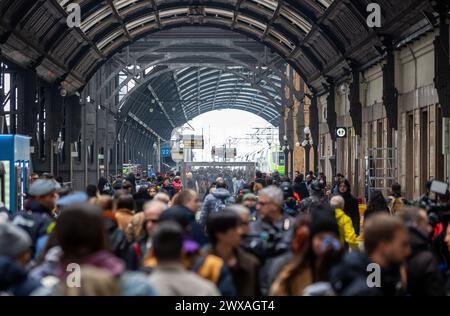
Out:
{"x": 221, "y": 195}
{"x": 14, "y": 279}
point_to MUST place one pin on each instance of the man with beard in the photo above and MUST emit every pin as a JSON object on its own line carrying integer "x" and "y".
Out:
{"x": 380, "y": 271}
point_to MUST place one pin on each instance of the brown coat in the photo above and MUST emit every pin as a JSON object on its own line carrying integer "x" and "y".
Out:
{"x": 124, "y": 217}
{"x": 245, "y": 273}
{"x": 300, "y": 282}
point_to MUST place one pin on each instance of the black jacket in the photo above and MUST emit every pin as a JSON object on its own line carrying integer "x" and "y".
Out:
{"x": 136, "y": 253}
{"x": 14, "y": 280}
{"x": 261, "y": 181}
{"x": 424, "y": 277}
{"x": 35, "y": 221}
{"x": 169, "y": 190}
{"x": 117, "y": 238}
{"x": 301, "y": 190}
{"x": 350, "y": 276}
{"x": 352, "y": 210}
{"x": 186, "y": 218}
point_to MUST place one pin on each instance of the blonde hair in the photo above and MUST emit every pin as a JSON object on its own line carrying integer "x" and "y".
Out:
{"x": 135, "y": 228}
{"x": 257, "y": 187}
{"x": 94, "y": 282}
{"x": 337, "y": 201}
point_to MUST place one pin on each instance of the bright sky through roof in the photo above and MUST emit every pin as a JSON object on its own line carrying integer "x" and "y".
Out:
{"x": 221, "y": 126}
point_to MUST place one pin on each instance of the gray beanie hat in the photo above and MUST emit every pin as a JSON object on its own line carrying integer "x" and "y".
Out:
{"x": 13, "y": 240}
{"x": 42, "y": 187}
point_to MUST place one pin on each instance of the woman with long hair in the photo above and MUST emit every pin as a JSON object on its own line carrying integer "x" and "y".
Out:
{"x": 322, "y": 251}
{"x": 377, "y": 203}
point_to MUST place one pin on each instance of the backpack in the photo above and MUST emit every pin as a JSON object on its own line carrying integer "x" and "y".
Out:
{"x": 219, "y": 205}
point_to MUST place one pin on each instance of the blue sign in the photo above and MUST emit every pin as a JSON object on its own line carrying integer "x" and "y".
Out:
{"x": 165, "y": 152}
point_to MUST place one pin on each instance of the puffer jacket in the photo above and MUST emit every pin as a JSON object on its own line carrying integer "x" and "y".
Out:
{"x": 220, "y": 195}
{"x": 347, "y": 234}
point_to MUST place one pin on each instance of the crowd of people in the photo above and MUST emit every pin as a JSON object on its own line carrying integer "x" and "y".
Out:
{"x": 274, "y": 236}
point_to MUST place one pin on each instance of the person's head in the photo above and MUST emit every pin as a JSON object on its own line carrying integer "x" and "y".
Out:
{"x": 162, "y": 197}
{"x": 34, "y": 177}
{"x": 224, "y": 228}
{"x": 343, "y": 186}
{"x": 396, "y": 190}
{"x": 127, "y": 186}
{"x": 105, "y": 202}
{"x": 117, "y": 185}
{"x": 189, "y": 176}
{"x": 258, "y": 174}
{"x": 257, "y": 187}
{"x": 386, "y": 240}
{"x": 166, "y": 182}
{"x": 44, "y": 191}
{"x": 417, "y": 218}
{"x": 377, "y": 201}
{"x": 301, "y": 234}
{"x": 167, "y": 242}
{"x": 244, "y": 216}
{"x": 428, "y": 185}
{"x": 15, "y": 243}
{"x": 324, "y": 230}
{"x": 221, "y": 184}
{"x": 152, "y": 212}
{"x": 286, "y": 187}
{"x": 91, "y": 190}
{"x": 317, "y": 188}
{"x": 125, "y": 201}
{"x": 299, "y": 178}
{"x": 80, "y": 232}
{"x": 187, "y": 198}
{"x": 152, "y": 191}
{"x": 308, "y": 178}
{"x": 338, "y": 177}
{"x": 337, "y": 201}
{"x": 249, "y": 200}
{"x": 270, "y": 202}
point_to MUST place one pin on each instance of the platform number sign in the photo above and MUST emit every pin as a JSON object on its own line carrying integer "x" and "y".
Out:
{"x": 165, "y": 152}
{"x": 341, "y": 132}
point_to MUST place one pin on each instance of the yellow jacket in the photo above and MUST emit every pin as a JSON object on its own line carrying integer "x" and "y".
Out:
{"x": 346, "y": 231}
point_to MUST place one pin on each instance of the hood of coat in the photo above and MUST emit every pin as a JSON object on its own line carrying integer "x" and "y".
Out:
{"x": 221, "y": 193}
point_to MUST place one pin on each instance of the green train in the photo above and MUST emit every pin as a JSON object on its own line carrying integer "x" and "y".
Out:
{"x": 272, "y": 159}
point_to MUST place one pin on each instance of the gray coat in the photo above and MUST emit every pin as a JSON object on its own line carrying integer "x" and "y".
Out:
{"x": 174, "y": 280}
